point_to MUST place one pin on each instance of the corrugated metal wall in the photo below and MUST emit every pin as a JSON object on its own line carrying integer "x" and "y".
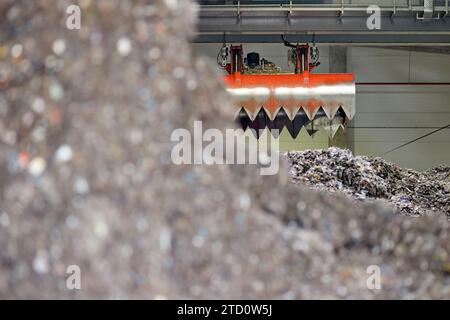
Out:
{"x": 387, "y": 116}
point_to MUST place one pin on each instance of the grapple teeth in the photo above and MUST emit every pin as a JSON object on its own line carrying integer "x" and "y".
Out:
{"x": 244, "y": 119}
{"x": 279, "y": 122}
{"x": 300, "y": 120}
{"x": 293, "y": 101}
{"x": 311, "y": 111}
{"x": 349, "y": 111}
{"x": 291, "y": 111}
{"x": 331, "y": 110}
{"x": 252, "y": 111}
{"x": 259, "y": 123}
{"x": 272, "y": 112}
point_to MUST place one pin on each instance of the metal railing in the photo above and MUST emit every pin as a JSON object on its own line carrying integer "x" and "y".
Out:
{"x": 440, "y": 7}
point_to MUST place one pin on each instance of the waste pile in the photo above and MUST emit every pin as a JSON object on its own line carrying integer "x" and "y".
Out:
{"x": 87, "y": 181}
{"x": 337, "y": 170}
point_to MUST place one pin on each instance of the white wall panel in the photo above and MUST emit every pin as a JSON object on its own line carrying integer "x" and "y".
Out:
{"x": 387, "y": 106}
{"x": 401, "y": 106}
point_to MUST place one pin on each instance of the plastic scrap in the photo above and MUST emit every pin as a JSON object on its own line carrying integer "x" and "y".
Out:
{"x": 337, "y": 170}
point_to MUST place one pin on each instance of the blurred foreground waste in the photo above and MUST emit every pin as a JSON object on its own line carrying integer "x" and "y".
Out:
{"x": 86, "y": 178}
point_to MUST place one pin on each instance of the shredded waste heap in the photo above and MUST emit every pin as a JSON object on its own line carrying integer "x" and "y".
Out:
{"x": 336, "y": 170}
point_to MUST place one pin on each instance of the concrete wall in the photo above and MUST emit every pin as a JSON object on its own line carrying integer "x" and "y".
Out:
{"x": 420, "y": 108}
{"x": 387, "y": 116}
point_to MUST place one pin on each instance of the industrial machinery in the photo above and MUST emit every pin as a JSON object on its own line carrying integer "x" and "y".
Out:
{"x": 265, "y": 97}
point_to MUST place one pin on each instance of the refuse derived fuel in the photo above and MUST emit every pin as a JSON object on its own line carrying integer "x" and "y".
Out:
{"x": 337, "y": 170}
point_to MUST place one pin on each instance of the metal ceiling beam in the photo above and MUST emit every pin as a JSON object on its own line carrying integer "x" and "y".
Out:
{"x": 426, "y": 10}
{"x": 330, "y": 24}
{"x": 336, "y": 39}
{"x": 271, "y": 23}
